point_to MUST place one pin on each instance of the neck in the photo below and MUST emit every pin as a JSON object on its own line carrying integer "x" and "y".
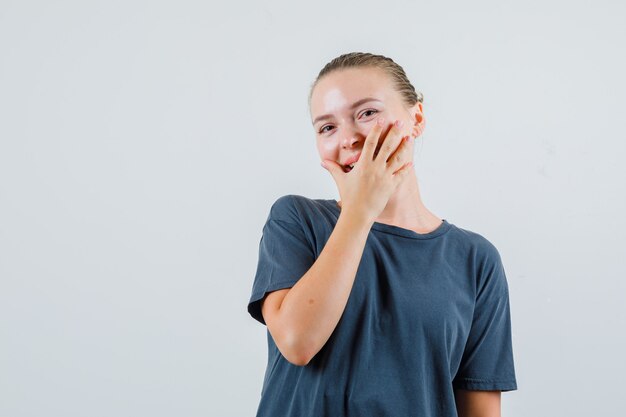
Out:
{"x": 406, "y": 209}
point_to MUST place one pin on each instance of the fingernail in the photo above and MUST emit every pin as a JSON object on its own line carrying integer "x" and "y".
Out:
{"x": 323, "y": 164}
{"x": 381, "y": 121}
{"x": 399, "y": 123}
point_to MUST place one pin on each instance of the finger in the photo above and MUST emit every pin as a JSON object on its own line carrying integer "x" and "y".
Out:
{"x": 402, "y": 173}
{"x": 401, "y": 155}
{"x": 391, "y": 142}
{"x": 371, "y": 141}
{"x": 334, "y": 168}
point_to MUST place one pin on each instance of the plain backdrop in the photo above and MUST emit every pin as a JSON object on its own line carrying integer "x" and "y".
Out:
{"x": 143, "y": 143}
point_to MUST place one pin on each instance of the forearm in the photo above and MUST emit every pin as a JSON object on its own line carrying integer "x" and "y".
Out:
{"x": 313, "y": 306}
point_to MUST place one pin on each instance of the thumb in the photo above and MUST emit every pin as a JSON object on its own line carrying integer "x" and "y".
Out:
{"x": 332, "y": 167}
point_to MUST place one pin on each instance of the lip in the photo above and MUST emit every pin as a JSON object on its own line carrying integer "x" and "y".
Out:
{"x": 352, "y": 159}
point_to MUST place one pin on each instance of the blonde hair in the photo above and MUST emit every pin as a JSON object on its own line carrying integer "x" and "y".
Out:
{"x": 364, "y": 59}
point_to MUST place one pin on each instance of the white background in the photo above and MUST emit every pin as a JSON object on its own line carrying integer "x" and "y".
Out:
{"x": 143, "y": 143}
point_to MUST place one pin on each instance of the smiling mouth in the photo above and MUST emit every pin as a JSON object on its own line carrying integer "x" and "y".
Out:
{"x": 348, "y": 168}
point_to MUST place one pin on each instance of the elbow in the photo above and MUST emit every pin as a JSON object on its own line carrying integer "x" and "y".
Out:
{"x": 293, "y": 342}
{"x": 296, "y": 352}
{"x": 298, "y": 360}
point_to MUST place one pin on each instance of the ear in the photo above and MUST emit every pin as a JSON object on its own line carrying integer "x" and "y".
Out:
{"x": 419, "y": 121}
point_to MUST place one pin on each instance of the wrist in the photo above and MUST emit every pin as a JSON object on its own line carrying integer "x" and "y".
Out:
{"x": 355, "y": 220}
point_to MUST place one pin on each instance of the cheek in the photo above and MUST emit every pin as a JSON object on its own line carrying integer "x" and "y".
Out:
{"x": 327, "y": 150}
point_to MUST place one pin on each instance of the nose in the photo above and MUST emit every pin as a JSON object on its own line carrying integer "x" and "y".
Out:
{"x": 350, "y": 139}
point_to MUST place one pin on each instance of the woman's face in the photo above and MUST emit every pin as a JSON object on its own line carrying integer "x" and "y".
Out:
{"x": 345, "y": 105}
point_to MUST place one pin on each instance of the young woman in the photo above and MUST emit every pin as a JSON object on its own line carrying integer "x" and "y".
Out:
{"x": 375, "y": 306}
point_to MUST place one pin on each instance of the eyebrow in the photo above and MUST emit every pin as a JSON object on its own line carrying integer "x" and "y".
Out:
{"x": 355, "y": 104}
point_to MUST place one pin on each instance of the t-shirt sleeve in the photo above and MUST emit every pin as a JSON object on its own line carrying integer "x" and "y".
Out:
{"x": 285, "y": 254}
{"x": 487, "y": 361}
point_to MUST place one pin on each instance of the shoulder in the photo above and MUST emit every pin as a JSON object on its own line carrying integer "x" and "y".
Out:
{"x": 484, "y": 260}
{"x": 478, "y": 246}
{"x": 294, "y": 208}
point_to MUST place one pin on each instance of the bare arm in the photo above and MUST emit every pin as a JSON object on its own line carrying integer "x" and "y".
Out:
{"x": 302, "y": 318}
{"x": 477, "y": 403}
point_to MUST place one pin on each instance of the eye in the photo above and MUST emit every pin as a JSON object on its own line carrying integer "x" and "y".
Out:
{"x": 369, "y": 110}
{"x": 322, "y": 129}
{"x": 365, "y": 113}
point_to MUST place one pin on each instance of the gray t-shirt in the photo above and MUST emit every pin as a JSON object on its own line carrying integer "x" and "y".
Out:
{"x": 427, "y": 313}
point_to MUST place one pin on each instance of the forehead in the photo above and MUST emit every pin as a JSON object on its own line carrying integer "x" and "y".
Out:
{"x": 336, "y": 91}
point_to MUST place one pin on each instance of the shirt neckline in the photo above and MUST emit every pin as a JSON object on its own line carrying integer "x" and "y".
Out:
{"x": 397, "y": 230}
